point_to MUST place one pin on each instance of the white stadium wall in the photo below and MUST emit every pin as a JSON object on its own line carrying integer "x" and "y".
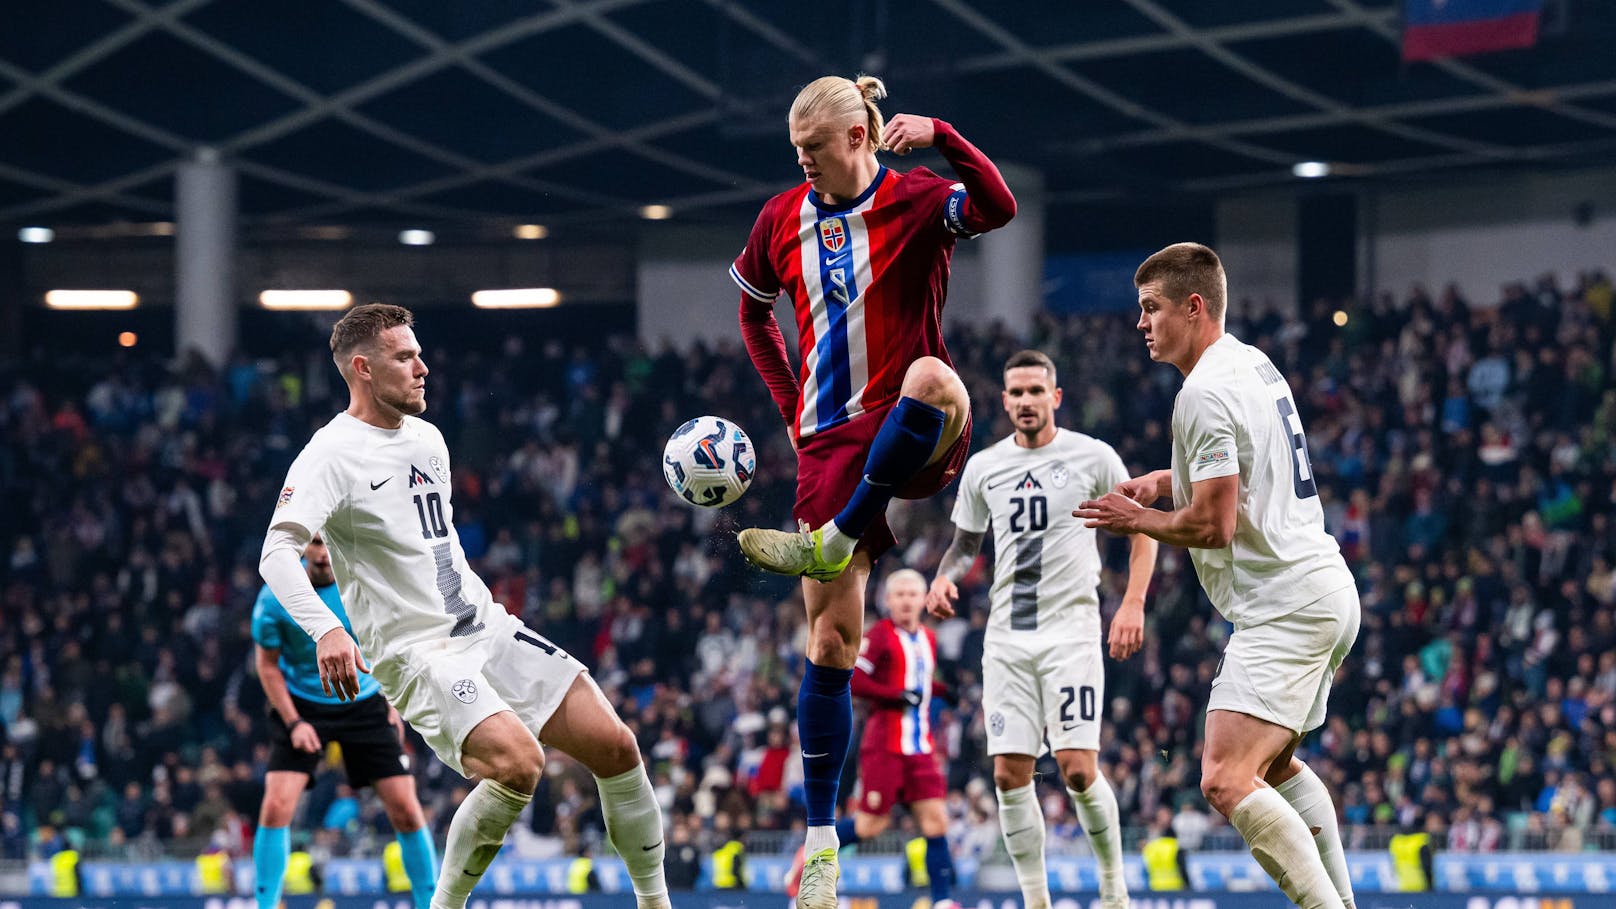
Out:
{"x": 1479, "y": 232}
{"x": 1256, "y": 238}
{"x": 1484, "y": 234}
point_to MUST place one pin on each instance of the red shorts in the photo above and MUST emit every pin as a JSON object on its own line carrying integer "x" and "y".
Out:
{"x": 830, "y": 464}
{"x": 887, "y": 779}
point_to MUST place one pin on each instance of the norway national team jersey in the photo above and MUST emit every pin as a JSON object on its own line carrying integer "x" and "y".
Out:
{"x": 1235, "y": 415}
{"x": 867, "y": 281}
{"x": 1046, "y": 564}
{"x": 904, "y": 660}
{"x": 274, "y": 629}
{"x": 381, "y": 500}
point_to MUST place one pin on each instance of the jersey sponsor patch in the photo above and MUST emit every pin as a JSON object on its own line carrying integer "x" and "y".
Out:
{"x": 1212, "y": 457}
{"x": 286, "y": 497}
{"x": 996, "y": 723}
{"x": 464, "y": 690}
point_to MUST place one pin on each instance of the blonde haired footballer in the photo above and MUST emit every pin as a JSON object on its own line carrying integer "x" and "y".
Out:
{"x": 1246, "y": 505}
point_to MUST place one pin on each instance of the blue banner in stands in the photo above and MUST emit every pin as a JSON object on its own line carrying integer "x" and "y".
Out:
{"x": 1188, "y": 899}
{"x": 1092, "y": 282}
{"x": 1208, "y": 872}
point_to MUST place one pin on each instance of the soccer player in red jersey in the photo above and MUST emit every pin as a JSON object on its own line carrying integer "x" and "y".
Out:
{"x": 898, "y": 764}
{"x": 863, "y": 253}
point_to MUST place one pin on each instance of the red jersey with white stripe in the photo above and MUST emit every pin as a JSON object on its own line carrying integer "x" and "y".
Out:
{"x": 892, "y": 662}
{"x": 867, "y": 280}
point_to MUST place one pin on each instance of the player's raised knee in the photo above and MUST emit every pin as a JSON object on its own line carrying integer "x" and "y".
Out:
{"x": 931, "y": 381}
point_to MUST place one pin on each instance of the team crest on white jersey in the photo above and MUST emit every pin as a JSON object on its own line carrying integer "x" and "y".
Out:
{"x": 1058, "y": 474}
{"x": 996, "y": 723}
{"x": 437, "y": 467}
{"x": 465, "y": 691}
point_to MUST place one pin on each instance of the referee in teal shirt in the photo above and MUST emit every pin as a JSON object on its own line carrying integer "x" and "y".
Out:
{"x": 303, "y": 718}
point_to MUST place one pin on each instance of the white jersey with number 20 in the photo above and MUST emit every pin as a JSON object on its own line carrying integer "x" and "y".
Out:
{"x": 381, "y": 500}
{"x": 1235, "y": 415}
{"x": 1046, "y": 563}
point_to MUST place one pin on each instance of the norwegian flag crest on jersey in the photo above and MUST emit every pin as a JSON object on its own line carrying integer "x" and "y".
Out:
{"x": 832, "y": 234}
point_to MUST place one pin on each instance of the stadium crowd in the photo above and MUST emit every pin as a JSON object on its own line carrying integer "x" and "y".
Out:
{"x": 1464, "y": 454}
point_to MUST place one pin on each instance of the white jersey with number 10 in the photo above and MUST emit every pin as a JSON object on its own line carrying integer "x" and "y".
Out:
{"x": 381, "y": 500}
{"x": 1235, "y": 415}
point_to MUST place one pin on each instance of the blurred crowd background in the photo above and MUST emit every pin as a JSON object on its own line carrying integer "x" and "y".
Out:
{"x": 1463, "y": 450}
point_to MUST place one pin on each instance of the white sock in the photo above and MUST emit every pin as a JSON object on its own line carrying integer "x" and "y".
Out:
{"x": 1280, "y": 842}
{"x": 821, "y": 838}
{"x": 634, "y": 825}
{"x": 1021, "y": 819}
{"x": 836, "y": 544}
{"x": 1307, "y": 794}
{"x": 1097, "y": 810}
{"x": 475, "y": 835}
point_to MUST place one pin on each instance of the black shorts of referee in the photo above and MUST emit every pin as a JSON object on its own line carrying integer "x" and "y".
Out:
{"x": 371, "y": 747}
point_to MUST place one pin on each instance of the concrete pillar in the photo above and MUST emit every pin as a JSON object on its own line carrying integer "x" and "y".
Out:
{"x": 1012, "y": 258}
{"x": 205, "y": 258}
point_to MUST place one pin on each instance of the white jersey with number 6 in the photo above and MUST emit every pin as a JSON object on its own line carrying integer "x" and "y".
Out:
{"x": 1235, "y": 415}
{"x": 1046, "y": 563}
{"x": 381, "y": 500}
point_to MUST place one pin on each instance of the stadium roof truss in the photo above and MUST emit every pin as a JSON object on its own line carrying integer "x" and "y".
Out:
{"x": 586, "y": 110}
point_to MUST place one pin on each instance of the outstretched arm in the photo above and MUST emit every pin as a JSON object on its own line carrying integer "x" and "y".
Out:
{"x": 956, "y": 562}
{"x": 1208, "y": 522}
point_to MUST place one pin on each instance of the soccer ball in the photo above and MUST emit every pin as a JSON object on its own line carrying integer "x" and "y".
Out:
{"x": 709, "y": 462}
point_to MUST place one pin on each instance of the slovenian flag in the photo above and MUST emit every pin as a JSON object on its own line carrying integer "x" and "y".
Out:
{"x": 1455, "y": 28}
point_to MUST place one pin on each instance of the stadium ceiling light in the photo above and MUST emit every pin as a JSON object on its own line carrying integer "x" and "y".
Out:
{"x": 417, "y": 237}
{"x": 91, "y": 299}
{"x": 656, "y": 212}
{"x": 36, "y": 235}
{"x": 530, "y": 231}
{"x": 1311, "y": 170}
{"x": 305, "y": 299}
{"x": 516, "y": 298}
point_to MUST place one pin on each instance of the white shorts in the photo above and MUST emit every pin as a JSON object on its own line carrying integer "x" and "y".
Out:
{"x": 1049, "y": 695}
{"x": 445, "y": 689}
{"x": 1280, "y": 670}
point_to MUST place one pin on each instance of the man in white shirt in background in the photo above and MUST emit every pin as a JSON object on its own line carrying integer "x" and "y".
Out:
{"x": 1043, "y": 677}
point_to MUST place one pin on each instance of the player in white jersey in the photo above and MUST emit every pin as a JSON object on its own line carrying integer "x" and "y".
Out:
{"x": 1043, "y": 676}
{"x": 1246, "y": 504}
{"x": 482, "y": 688}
